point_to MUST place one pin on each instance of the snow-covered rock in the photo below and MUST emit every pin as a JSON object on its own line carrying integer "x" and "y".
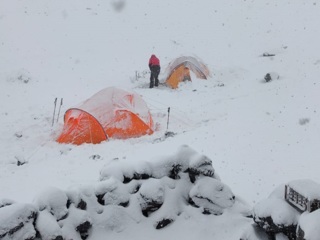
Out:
{"x": 54, "y": 200}
{"x": 77, "y": 224}
{"x": 112, "y": 192}
{"x": 281, "y": 213}
{"x": 185, "y": 159}
{"x": 152, "y": 195}
{"x": 48, "y": 227}
{"x": 275, "y": 215}
{"x": 212, "y": 195}
{"x": 308, "y": 228}
{"x": 16, "y": 221}
{"x": 271, "y": 76}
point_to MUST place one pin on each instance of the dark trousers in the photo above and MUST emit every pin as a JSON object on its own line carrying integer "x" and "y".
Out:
{"x": 154, "y": 81}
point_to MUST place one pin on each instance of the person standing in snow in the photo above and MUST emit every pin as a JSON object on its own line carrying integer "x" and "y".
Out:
{"x": 154, "y": 65}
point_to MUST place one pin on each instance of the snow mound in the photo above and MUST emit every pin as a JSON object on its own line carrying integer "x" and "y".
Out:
{"x": 186, "y": 160}
{"x": 211, "y": 194}
{"x": 55, "y": 201}
{"x": 309, "y": 226}
{"x": 154, "y": 193}
{"x": 16, "y": 221}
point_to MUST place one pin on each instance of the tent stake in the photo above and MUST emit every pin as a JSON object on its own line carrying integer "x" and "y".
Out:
{"x": 54, "y": 110}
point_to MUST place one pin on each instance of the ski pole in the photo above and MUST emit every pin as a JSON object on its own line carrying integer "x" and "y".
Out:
{"x": 168, "y": 118}
{"x": 61, "y": 102}
{"x": 54, "y": 110}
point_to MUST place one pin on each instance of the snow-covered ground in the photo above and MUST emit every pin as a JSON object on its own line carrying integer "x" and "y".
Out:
{"x": 258, "y": 135}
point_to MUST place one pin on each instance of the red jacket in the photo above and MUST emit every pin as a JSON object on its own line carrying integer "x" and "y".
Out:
{"x": 154, "y": 61}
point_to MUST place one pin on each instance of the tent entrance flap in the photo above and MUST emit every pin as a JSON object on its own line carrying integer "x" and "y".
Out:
{"x": 126, "y": 124}
{"x": 81, "y": 127}
{"x": 179, "y": 74}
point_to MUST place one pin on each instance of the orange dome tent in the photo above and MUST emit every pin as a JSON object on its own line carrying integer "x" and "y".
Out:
{"x": 178, "y": 70}
{"x": 110, "y": 113}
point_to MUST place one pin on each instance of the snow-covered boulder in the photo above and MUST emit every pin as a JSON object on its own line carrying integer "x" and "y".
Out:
{"x": 308, "y": 227}
{"x": 76, "y": 225}
{"x": 48, "y": 227}
{"x": 17, "y": 221}
{"x": 84, "y": 198}
{"x": 75, "y": 197}
{"x": 112, "y": 192}
{"x": 126, "y": 172}
{"x": 151, "y": 195}
{"x": 185, "y": 160}
{"x": 275, "y": 215}
{"x": 54, "y": 200}
{"x": 170, "y": 167}
{"x": 211, "y": 195}
{"x": 198, "y": 164}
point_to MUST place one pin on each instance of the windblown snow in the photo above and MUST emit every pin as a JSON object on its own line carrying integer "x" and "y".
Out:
{"x": 222, "y": 150}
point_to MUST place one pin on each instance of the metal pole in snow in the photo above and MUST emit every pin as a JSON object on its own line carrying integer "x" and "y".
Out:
{"x": 168, "y": 118}
{"x": 61, "y": 102}
{"x": 54, "y": 110}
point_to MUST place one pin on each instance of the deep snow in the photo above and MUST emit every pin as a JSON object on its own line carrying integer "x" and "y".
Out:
{"x": 259, "y": 135}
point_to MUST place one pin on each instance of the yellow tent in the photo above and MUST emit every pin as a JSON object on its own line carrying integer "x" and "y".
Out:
{"x": 179, "y": 70}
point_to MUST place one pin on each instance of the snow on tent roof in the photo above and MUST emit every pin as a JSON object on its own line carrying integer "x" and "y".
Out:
{"x": 104, "y": 103}
{"x": 178, "y": 70}
{"x": 110, "y": 113}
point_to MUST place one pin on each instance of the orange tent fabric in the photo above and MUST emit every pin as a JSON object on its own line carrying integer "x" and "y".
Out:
{"x": 178, "y": 70}
{"x": 110, "y": 113}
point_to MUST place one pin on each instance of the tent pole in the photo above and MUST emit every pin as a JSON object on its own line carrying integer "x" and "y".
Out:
{"x": 54, "y": 110}
{"x": 61, "y": 102}
{"x": 168, "y": 118}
